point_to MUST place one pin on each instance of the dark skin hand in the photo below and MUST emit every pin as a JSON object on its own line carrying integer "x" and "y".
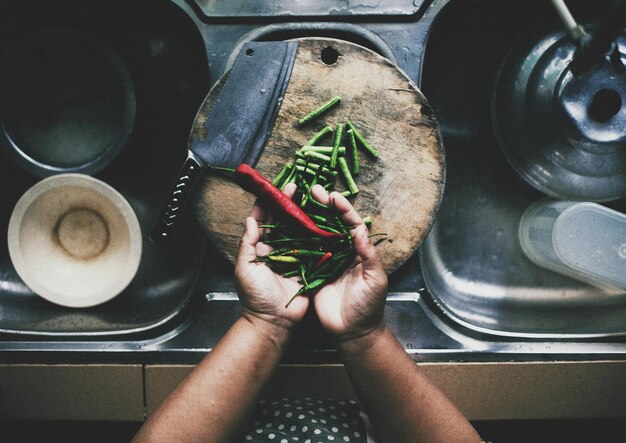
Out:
{"x": 352, "y": 306}
{"x": 215, "y": 401}
{"x": 263, "y": 293}
{"x": 402, "y": 403}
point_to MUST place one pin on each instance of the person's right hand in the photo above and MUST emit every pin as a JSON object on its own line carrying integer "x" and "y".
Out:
{"x": 352, "y": 306}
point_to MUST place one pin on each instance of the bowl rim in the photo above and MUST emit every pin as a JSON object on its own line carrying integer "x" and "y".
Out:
{"x": 110, "y": 153}
{"x": 127, "y": 272}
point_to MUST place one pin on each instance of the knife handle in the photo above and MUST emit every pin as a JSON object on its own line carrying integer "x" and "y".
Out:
{"x": 172, "y": 209}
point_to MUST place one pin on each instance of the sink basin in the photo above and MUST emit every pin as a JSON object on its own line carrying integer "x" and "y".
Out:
{"x": 473, "y": 265}
{"x": 485, "y": 301}
{"x": 165, "y": 57}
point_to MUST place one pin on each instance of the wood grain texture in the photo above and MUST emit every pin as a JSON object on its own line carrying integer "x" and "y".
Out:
{"x": 401, "y": 190}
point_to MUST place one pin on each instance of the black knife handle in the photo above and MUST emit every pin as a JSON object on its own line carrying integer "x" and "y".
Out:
{"x": 172, "y": 209}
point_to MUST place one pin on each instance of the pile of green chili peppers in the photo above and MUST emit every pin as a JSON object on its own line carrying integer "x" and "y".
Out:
{"x": 318, "y": 261}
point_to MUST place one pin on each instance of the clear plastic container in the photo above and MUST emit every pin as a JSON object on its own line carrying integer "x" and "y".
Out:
{"x": 585, "y": 241}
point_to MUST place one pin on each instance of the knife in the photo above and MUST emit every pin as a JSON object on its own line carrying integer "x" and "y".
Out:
{"x": 237, "y": 126}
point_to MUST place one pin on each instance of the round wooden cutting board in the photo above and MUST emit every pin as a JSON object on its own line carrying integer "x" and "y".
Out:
{"x": 401, "y": 190}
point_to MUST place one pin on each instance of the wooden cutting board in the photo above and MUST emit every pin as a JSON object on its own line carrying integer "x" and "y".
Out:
{"x": 401, "y": 190}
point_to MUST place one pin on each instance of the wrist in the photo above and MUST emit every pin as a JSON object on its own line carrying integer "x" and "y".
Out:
{"x": 353, "y": 345}
{"x": 272, "y": 327}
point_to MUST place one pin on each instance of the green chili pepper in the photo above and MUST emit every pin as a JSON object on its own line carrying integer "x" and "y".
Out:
{"x": 368, "y": 221}
{"x": 315, "y": 284}
{"x": 291, "y": 273}
{"x": 300, "y": 240}
{"x": 290, "y": 178}
{"x": 303, "y": 273}
{"x": 355, "y": 153}
{"x": 282, "y": 174}
{"x": 318, "y": 156}
{"x": 319, "y": 218}
{"x": 307, "y": 170}
{"x": 329, "y": 228}
{"x": 283, "y": 258}
{"x": 338, "y": 270}
{"x": 318, "y": 204}
{"x": 320, "y": 110}
{"x": 270, "y": 226}
{"x": 314, "y": 166}
{"x": 337, "y": 142}
{"x": 319, "y": 135}
{"x": 336, "y": 259}
{"x": 343, "y": 165}
{"x": 373, "y": 152}
{"x": 281, "y": 251}
{"x": 323, "y": 150}
{"x": 308, "y": 187}
{"x": 345, "y": 231}
{"x": 306, "y": 253}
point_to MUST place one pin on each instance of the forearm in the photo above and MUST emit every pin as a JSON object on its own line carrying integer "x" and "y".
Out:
{"x": 214, "y": 401}
{"x": 401, "y": 402}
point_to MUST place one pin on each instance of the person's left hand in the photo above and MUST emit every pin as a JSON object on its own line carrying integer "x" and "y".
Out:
{"x": 263, "y": 293}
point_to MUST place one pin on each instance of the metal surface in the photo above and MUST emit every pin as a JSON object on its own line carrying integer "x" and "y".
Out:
{"x": 321, "y": 8}
{"x": 460, "y": 98}
{"x": 67, "y": 103}
{"x": 472, "y": 261}
{"x": 595, "y": 48}
{"x": 564, "y": 134}
{"x": 234, "y": 129}
{"x": 167, "y": 92}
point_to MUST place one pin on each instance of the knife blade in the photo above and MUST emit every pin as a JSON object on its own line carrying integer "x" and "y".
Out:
{"x": 237, "y": 126}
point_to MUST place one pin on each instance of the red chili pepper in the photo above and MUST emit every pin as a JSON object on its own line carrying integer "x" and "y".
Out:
{"x": 323, "y": 260}
{"x": 252, "y": 181}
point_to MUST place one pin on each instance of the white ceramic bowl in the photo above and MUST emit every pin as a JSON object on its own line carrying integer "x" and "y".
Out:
{"x": 74, "y": 240}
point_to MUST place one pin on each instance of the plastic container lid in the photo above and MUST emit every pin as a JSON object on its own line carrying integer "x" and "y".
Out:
{"x": 585, "y": 241}
{"x": 591, "y": 239}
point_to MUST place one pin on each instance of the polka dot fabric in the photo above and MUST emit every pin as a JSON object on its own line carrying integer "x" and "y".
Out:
{"x": 307, "y": 421}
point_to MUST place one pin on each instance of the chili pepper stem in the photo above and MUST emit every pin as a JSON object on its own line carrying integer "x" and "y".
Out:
{"x": 292, "y": 299}
{"x": 220, "y": 168}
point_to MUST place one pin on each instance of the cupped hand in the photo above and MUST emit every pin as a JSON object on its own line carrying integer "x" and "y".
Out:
{"x": 352, "y": 306}
{"x": 263, "y": 293}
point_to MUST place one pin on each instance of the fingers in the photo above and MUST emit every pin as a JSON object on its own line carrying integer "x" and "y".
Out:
{"x": 346, "y": 211}
{"x": 290, "y": 190}
{"x": 319, "y": 193}
{"x": 366, "y": 251}
{"x": 248, "y": 242}
{"x": 257, "y": 212}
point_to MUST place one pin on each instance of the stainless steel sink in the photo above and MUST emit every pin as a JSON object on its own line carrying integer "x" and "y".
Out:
{"x": 166, "y": 59}
{"x": 485, "y": 301}
{"x": 474, "y": 268}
